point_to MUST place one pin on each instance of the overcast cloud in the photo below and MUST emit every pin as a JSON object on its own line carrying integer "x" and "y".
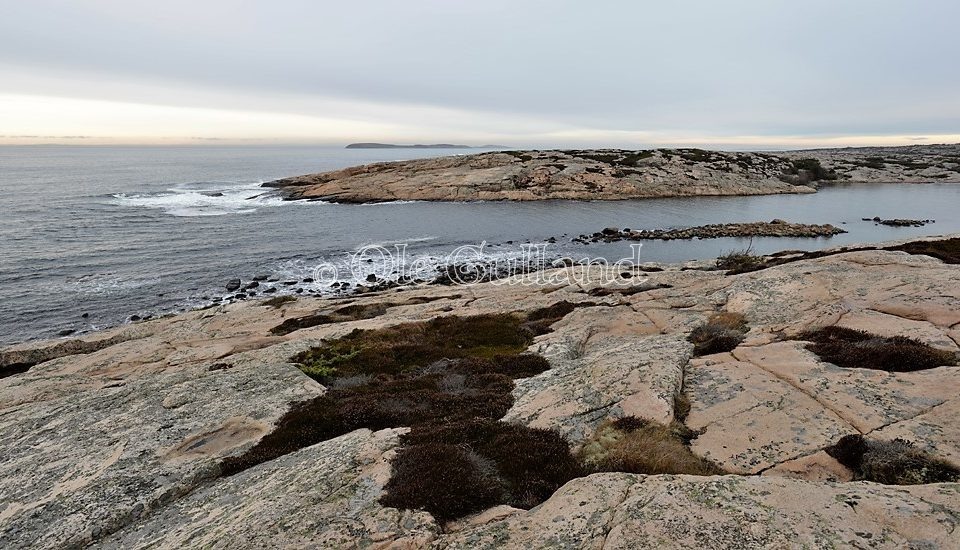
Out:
{"x": 532, "y": 72}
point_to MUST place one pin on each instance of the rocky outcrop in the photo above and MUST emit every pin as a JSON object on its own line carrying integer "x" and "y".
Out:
{"x": 615, "y": 174}
{"x": 119, "y": 442}
{"x": 540, "y": 175}
{"x": 775, "y": 228}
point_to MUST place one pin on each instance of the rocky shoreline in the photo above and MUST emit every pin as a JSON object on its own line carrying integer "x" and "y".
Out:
{"x": 616, "y": 174}
{"x": 792, "y": 398}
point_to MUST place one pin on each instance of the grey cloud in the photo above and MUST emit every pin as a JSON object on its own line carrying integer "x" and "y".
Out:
{"x": 722, "y": 68}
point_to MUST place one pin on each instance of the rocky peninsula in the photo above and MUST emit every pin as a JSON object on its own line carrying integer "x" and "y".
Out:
{"x": 613, "y": 174}
{"x": 809, "y": 402}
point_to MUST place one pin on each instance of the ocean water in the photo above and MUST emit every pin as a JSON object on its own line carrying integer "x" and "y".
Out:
{"x": 90, "y": 236}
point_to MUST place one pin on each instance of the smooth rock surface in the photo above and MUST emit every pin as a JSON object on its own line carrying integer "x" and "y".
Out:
{"x": 115, "y": 438}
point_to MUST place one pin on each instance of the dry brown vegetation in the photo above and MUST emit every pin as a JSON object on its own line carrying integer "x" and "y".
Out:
{"x": 742, "y": 261}
{"x": 454, "y": 469}
{"x": 850, "y": 348}
{"x": 721, "y": 333}
{"x": 947, "y": 250}
{"x": 450, "y": 379}
{"x": 896, "y": 462}
{"x": 639, "y": 446}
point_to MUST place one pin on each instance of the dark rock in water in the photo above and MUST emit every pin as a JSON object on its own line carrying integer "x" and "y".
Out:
{"x": 273, "y": 279}
{"x": 66, "y": 332}
{"x": 241, "y": 296}
{"x": 261, "y": 277}
{"x": 134, "y": 318}
{"x": 299, "y": 291}
{"x": 307, "y": 280}
{"x": 212, "y": 193}
{"x": 289, "y": 283}
{"x": 371, "y": 278}
{"x": 270, "y": 290}
{"x": 85, "y": 315}
{"x": 775, "y": 228}
{"x": 234, "y": 284}
{"x": 899, "y": 222}
{"x": 254, "y": 284}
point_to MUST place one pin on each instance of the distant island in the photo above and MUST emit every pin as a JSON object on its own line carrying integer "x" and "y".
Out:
{"x": 421, "y": 146}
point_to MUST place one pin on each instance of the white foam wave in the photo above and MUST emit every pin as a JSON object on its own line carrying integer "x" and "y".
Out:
{"x": 204, "y": 199}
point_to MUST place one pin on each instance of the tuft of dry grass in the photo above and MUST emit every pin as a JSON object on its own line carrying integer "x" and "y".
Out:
{"x": 721, "y": 333}
{"x": 896, "y": 462}
{"x": 742, "y": 261}
{"x": 850, "y": 348}
{"x": 641, "y": 447}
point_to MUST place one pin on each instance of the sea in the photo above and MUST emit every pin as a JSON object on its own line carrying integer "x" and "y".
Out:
{"x": 96, "y": 236}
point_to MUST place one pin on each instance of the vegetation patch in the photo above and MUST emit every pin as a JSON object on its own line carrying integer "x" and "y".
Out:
{"x": 450, "y": 379}
{"x": 626, "y": 290}
{"x": 947, "y": 250}
{"x": 347, "y": 313}
{"x": 850, "y": 348}
{"x": 697, "y": 155}
{"x": 524, "y": 157}
{"x": 454, "y": 469}
{"x": 352, "y": 312}
{"x": 404, "y": 348}
{"x": 638, "y": 446}
{"x": 810, "y": 170}
{"x": 721, "y": 333}
{"x": 897, "y": 462}
{"x": 740, "y": 261}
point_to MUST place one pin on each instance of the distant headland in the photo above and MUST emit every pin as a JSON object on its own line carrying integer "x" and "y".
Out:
{"x": 421, "y": 146}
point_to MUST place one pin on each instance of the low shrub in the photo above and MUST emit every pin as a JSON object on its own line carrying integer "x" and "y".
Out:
{"x": 850, "y": 348}
{"x": 449, "y": 481}
{"x": 529, "y": 463}
{"x": 896, "y": 462}
{"x": 740, "y": 261}
{"x": 810, "y": 170}
{"x": 402, "y": 347}
{"x": 642, "y": 447}
{"x": 353, "y": 312}
{"x": 523, "y": 157}
{"x": 625, "y": 290}
{"x": 946, "y": 250}
{"x": 721, "y": 333}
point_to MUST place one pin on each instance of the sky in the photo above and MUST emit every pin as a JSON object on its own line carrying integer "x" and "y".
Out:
{"x": 734, "y": 74}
